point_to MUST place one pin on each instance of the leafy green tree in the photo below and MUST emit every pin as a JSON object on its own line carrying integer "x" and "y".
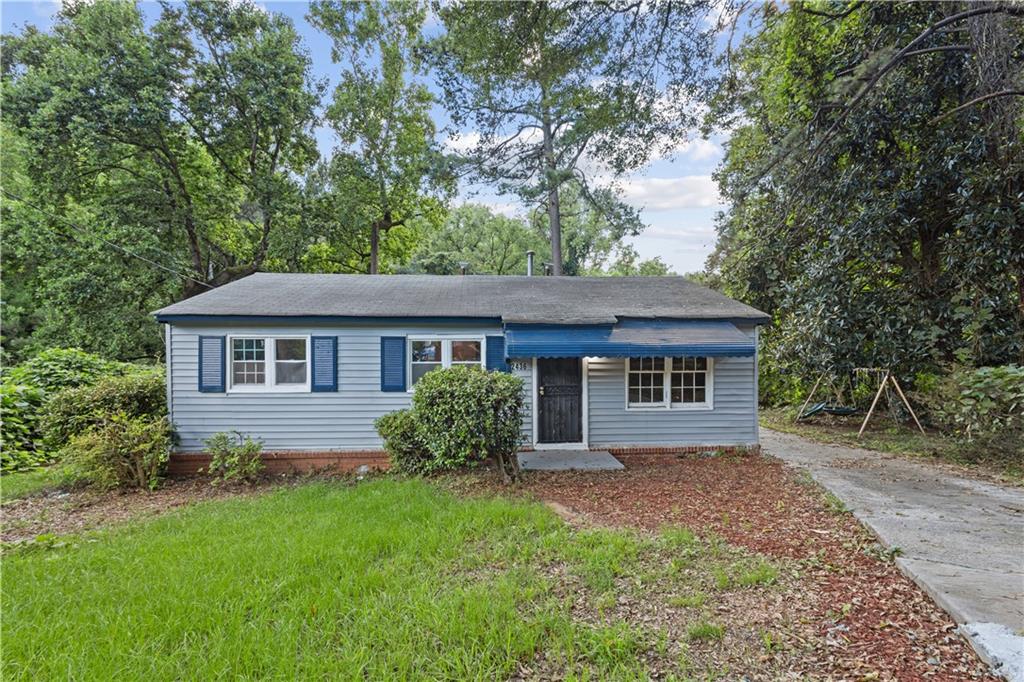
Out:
{"x": 496, "y": 245}
{"x": 593, "y": 227}
{"x": 487, "y": 243}
{"x": 65, "y": 284}
{"x": 194, "y": 126}
{"x": 874, "y": 182}
{"x": 548, "y": 85}
{"x": 387, "y": 170}
{"x": 627, "y": 263}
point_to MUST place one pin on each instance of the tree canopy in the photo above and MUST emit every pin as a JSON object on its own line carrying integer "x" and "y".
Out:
{"x": 874, "y": 183}
{"x": 388, "y": 168}
{"x": 548, "y": 86}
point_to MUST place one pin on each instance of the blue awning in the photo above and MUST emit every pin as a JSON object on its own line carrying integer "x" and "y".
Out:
{"x": 629, "y": 338}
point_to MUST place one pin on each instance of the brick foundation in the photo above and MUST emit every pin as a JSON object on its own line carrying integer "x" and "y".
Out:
{"x": 291, "y": 462}
{"x": 682, "y": 450}
{"x": 287, "y": 462}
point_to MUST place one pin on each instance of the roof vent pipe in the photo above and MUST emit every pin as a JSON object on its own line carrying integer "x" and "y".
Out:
{"x": 529, "y": 263}
{"x": 463, "y": 267}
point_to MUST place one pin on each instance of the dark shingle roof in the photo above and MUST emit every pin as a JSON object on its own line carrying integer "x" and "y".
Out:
{"x": 554, "y": 300}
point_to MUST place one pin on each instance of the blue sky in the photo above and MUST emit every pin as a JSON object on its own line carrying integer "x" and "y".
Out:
{"x": 676, "y": 194}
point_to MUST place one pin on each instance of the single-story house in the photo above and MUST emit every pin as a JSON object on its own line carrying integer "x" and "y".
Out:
{"x": 307, "y": 362}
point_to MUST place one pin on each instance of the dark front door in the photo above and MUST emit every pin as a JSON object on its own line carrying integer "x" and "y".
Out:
{"x": 560, "y": 400}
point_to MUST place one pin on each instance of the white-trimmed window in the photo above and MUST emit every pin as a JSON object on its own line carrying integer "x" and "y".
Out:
{"x": 427, "y": 354}
{"x": 680, "y": 382}
{"x": 269, "y": 363}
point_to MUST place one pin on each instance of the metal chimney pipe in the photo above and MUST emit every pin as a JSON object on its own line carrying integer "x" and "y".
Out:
{"x": 529, "y": 263}
{"x": 463, "y": 267}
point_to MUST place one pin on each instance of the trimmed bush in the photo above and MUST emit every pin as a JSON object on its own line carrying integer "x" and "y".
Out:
{"x": 404, "y": 448}
{"x": 234, "y": 457}
{"x": 75, "y": 410}
{"x": 123, "y": 451}
{"x": 19, "y": 411}
{"x": 55, "y": 369}
{"x": 461, "y": 415}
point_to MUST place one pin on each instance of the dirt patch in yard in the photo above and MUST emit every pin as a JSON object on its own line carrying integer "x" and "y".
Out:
{"x": 851, "y": 614}
{"x": 65, "y": 511}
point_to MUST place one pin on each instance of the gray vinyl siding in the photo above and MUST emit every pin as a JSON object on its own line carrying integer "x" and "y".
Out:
{"x": 731, "y": 421}
{"x": 344, "y": 420}
{"x": 295, "y": 421}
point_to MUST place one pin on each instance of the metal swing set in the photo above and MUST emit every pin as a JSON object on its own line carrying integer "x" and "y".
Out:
{"x": 884, "y": 377}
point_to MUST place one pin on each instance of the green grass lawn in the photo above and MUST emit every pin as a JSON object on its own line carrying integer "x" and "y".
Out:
{"x": 388, "y": 578}
{"x": 21, "y": 483}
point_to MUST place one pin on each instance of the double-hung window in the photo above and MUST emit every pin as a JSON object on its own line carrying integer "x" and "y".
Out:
{"x": 427, "y": 354}
{"x": 269, "y": 363}
{"x": 682, "y": 382}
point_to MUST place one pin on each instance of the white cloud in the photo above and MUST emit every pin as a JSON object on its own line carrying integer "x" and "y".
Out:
{"x": 696, "y": 149}
{"x": 460, "y": 143}
{"x": 666, "y": 194}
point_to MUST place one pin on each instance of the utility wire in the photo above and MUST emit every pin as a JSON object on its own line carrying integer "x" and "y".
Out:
{"x": 82, "y": 230}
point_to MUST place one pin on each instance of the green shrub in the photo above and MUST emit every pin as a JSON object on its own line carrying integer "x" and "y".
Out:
{"x": 404, "y": 448}
{"x": 19, "y": 412}
{"x": 465, "y": 414}
{"x": 234, "y": 457}
{"x": 58, "y": 368}
{"x": 983, "y": 408}
{"x": 73, "y": 411}
{"x": 122, "y": 451}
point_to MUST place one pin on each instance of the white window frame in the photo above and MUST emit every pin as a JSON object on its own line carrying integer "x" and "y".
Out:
{"x": 270, "y": 358}
{"x": 446, "y": 351}
{"x": 666, "y": 403}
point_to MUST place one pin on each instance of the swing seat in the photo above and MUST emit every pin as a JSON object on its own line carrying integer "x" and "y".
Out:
{"x": 828, "y": 408}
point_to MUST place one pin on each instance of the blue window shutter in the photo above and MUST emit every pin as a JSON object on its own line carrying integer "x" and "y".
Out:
{"x": 324, "y": 372}
{"x": 496, "y": 354}
{"x": 211, "y": 364}
{"x": 392, "y": 363}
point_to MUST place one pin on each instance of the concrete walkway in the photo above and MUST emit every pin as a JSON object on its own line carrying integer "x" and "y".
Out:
{"x": 961, "y": 540}
{"x": 569, "y": 460}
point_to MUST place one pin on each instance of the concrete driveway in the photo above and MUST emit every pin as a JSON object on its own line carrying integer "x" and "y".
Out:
{"x": 961, "y": 540}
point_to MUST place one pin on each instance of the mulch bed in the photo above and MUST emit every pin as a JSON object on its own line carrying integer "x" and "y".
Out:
{"x": 866, "y": 620}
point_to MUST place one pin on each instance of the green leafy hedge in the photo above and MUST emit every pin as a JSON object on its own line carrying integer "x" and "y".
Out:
{"x": 31, "y": 388}
{"x": 983, "y": 407}
{"x": 19, "y": 417}
{"x": 58, "y": 368}
{"x": 75, "y": 410}
{"x": 122, "y": 451}
{"x": 459, "y": 415}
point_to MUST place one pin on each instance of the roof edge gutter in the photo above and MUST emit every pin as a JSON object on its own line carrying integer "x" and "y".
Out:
{"x": 172, "y": 318}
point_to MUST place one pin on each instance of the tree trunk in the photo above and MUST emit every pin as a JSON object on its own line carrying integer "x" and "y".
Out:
{"x": 374, "y": 247}
{"x": 554, "y": 211}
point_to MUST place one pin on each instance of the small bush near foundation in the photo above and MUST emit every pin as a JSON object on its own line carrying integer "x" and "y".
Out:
{"x": 234, "y": 457}
{"x": 124, "y": 451}
{"x": 461, "y": 415}
{"x": 404, "y": 448}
